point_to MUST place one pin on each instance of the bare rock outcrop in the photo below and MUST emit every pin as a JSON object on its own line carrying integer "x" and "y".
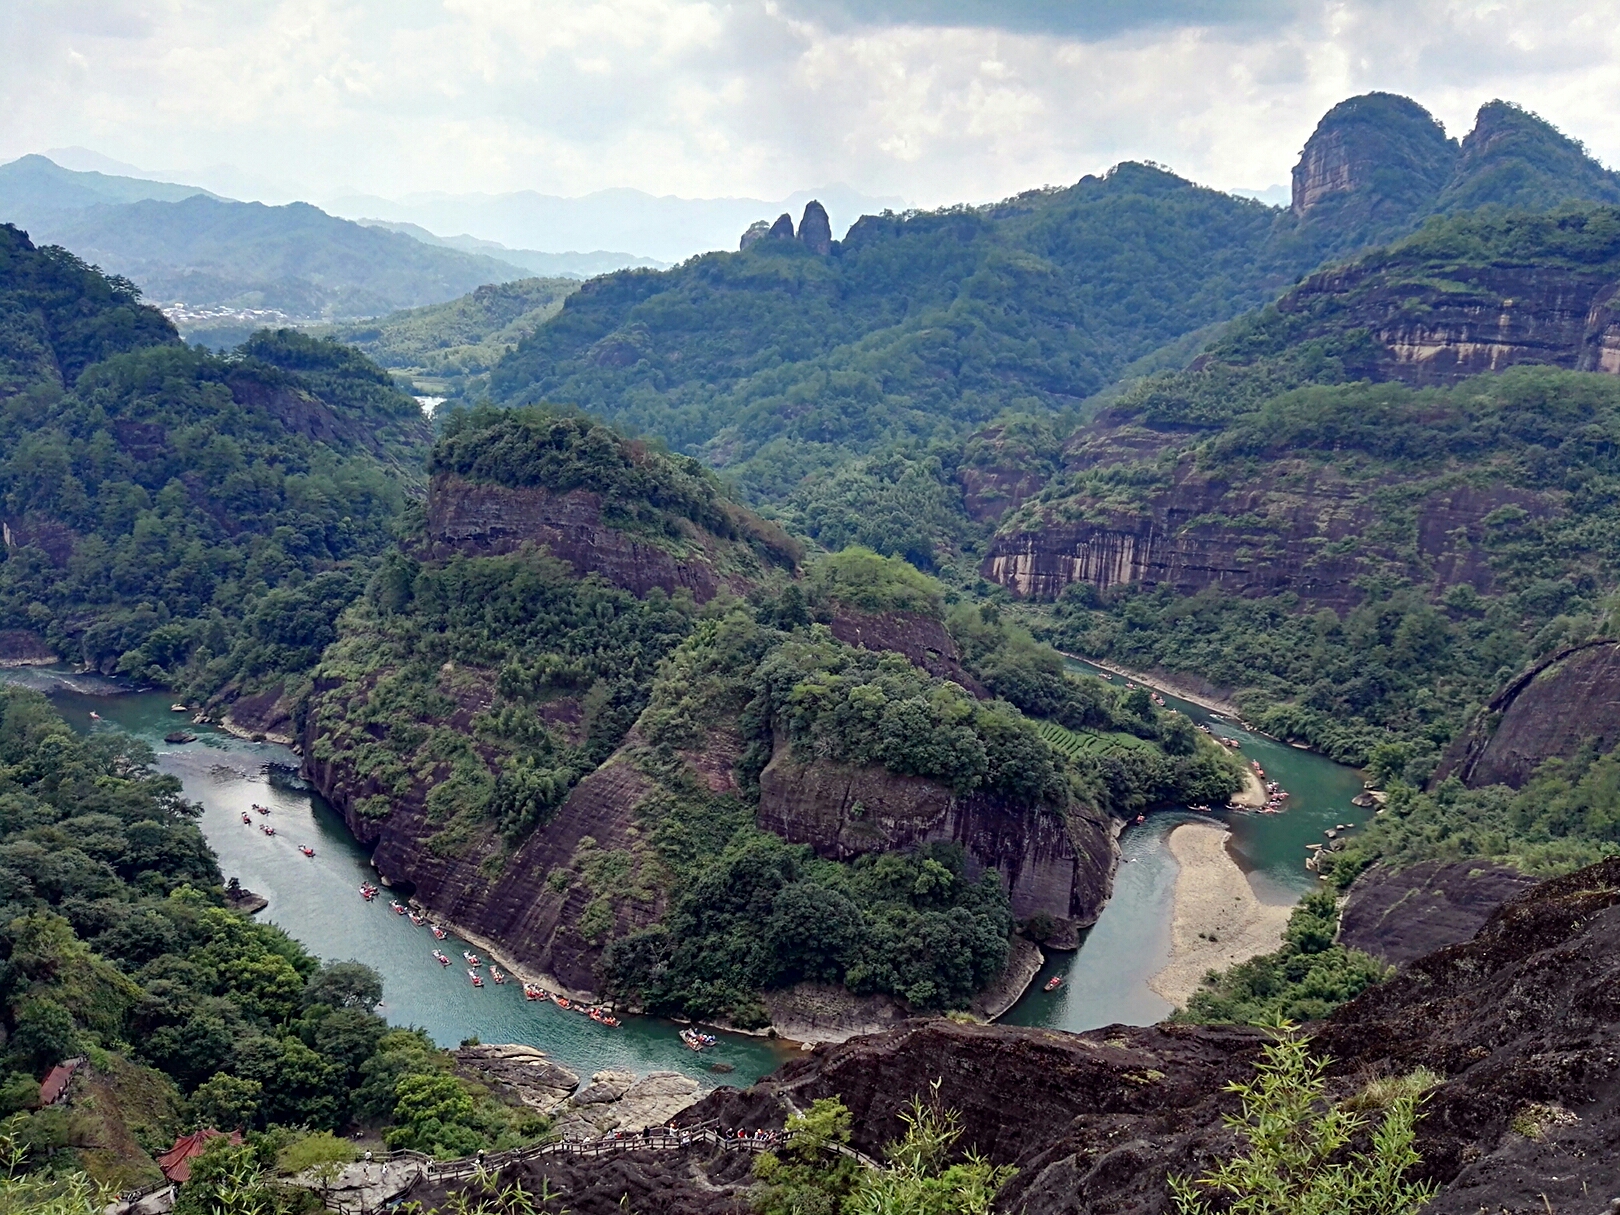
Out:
{"x": 1298, "y": 526}
{"x": 1053, "y": 864}
{"x": 1401, "y": 915}
{"x": 618, "y": 1101}
{"x": 1560, "y": 705}
{"x": 922, "y": 639}
{"x": 480, "y": 519}
{"x": 1381, "y": 151}
{"x": 782, "y": 229}
{"x": 524, "y": 1071}
{"x": 815, "y": 229}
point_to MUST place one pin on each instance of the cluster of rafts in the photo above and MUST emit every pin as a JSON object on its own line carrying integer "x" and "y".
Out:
{"x": 475, "y": 965}
{"x": 267, "y": 829}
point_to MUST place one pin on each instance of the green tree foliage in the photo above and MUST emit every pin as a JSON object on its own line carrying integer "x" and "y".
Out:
{"x": 452, "y": 346}
{"x": 812, "y": 1178}
{"x": 1305, "y": 1154}
{"x": 176, "y": 516}
{"x": 1305, "y": 980}
{"x": 114, "y": 939}
{"x": 922, "y": 325}
{"x": 1402, "y": 668}
{"x": 836, "y": 702}
{"x": 1565, "y": 817}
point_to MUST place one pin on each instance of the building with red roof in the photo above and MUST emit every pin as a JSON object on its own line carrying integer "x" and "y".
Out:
{"x": 176, "y": 1162}
{"x": 55, "y": 1085}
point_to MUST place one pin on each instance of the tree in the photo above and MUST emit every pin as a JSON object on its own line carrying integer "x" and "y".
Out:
{"x": 345, "y": 985}
{"x": 226, "y": 1102}
{"x": 45, "y": 1034}
{"x": 1294, "y": 1135}
{"x": 917, "y": 1181}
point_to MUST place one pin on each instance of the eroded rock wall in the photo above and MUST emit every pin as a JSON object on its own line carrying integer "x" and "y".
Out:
{"x": 1301, "y": 527}
{"x": 483, "y": 520}
{"x": 1050, "y": 863}
{"x": 1567, "y": 702}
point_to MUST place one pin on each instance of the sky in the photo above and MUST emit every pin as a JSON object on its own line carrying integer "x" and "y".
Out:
{"x": 933, "y": 101}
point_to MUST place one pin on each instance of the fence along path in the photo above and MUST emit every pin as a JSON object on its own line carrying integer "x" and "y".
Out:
{"x": 409, "y": 1167}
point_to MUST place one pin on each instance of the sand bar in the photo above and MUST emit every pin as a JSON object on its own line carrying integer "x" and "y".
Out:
{"x": 1213, "y": 899}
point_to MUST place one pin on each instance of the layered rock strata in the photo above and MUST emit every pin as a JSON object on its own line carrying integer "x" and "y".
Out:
{"x": 1301, "y": 527}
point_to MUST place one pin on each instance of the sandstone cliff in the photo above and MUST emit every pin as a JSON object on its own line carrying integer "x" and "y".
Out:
{"x": 1474, "y": 319}
{"x": 1062, "y": 867}
{"x": 1562, "y": 704}
{"x": 1293, "y": 525}
{"x": 481, "y": 519}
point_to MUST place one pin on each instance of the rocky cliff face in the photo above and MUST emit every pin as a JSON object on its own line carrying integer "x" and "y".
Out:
{"x": 1401, "y": 915}
{"x": 1372, "y": 159}
{"x": 1564, "y": 703}
{"x": 1478, "y": 319}
{"x": 1299, "y": 526}
{"x": 922, "y": 639}
{"x": 1052, "y": 865}
{"x": 478, "y": 519}
{"x": 529, "y": 904}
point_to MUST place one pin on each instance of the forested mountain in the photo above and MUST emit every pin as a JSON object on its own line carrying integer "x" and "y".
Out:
{"x": 448, "y": 349}
{"x": 175, "y": 515}
{"x": 588, "y": 677}
{"x": 795, "y": 354}
{"x": 33, "y": 186}
{"x": 545, "y": 265}
{"x": 184, "y": 246}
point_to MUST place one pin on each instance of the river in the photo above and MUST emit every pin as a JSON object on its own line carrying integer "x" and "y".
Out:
{"x": 1106, "y": 980}
{"x": 317, "y": 899}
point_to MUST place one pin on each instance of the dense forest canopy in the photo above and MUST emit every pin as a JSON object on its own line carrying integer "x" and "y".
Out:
{"x": 175, "y": 515}
{"x": 776, "y": 361}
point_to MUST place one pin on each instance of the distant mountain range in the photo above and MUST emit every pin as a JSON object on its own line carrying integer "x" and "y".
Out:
{"x": 211, "y": 261}
{"x": 547, "y": 265}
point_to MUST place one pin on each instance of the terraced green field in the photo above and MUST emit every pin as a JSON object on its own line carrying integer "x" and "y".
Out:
{"x": 1075, "y": 743}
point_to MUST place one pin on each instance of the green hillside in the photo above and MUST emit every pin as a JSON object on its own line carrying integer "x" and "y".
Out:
{"x": 174, "y": 515}
{"x": 447, "y": 349}
{"x": 776, "y": 360}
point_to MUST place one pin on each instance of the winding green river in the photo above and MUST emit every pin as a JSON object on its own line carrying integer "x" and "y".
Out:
{"x": 1106, "y": 981}
{"x": 317, "y": 899}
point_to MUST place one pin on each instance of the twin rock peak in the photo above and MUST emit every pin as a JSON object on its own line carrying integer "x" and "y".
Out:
{"x": 815, "y": 230}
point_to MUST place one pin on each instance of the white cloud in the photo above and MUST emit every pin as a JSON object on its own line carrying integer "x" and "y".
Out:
{"x": 935, "y": 100}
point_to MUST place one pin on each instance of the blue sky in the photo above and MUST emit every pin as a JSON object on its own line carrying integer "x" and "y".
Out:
{"x": 934, "y": 101}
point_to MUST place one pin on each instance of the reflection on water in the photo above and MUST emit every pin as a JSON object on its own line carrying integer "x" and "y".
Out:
{"x": 317, "y": 899}
{"x": 1106, "y": 981}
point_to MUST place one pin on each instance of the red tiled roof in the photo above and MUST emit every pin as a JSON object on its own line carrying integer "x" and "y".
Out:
{"x": 176, "y": 1162}
{"x": 56, "y": 1081}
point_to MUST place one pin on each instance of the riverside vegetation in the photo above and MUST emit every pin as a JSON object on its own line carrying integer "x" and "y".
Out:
{"x": 118, "y": 946}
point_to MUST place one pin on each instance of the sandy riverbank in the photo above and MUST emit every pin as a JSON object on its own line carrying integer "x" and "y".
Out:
{"x": 1253, "y": 794}
{"x": 1218, "y": 921}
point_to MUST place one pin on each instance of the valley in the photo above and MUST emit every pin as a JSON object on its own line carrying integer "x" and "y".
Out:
{"x": 709, "y": 654}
